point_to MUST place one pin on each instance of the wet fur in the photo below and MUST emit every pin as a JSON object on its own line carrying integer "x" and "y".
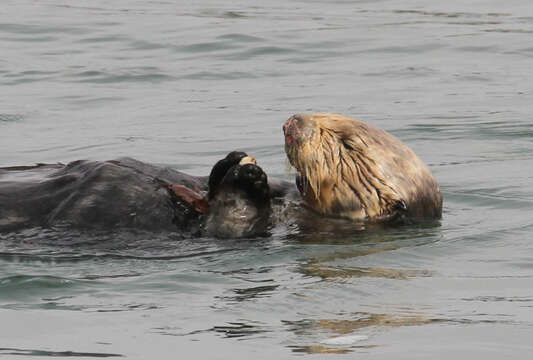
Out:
{"x": 351, "y": 169}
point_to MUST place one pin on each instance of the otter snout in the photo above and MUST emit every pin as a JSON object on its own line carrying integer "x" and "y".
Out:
{"x": 293, "y": 128}
{"x": 288, "y": 131}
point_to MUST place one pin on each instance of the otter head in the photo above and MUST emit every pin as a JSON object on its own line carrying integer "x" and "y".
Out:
{"x": 315, "y": 148}
{"x": 349, "y": 169}
{"x": 239, "y": 198}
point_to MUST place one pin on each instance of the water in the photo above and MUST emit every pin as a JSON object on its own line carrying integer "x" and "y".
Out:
{"x": 181, "y": 84}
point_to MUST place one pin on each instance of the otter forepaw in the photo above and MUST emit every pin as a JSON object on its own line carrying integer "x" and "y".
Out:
{"x": 253, "y": 177}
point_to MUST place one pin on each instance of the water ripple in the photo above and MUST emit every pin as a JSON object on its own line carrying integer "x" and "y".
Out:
{"x": 8, "y": 118}
{"x": 259, "y": 51}
{"x": 32, "y": 29}
{"x": 98, "y": 77}
{"x": 241, "y": 38}
{"x": 48, "y": 353}
{"x": 208, "y": 75}
{"x": 21, "y": 287}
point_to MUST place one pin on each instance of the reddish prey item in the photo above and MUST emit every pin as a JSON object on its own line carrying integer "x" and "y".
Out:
{"x": 190, "y": 197}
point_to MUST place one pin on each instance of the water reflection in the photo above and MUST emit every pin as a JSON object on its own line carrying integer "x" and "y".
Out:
{"x": 347, "y": 333}
{"x": 309, "y": 228}
{"x": 338, "y": 273}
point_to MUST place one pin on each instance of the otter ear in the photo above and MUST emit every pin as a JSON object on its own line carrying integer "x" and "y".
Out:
{"x": 221, "y": 168}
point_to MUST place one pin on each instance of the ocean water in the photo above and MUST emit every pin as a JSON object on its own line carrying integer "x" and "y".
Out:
{"x": 180, "y": 84}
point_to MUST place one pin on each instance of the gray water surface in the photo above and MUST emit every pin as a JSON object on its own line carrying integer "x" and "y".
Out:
{"x": 182, "y": 83}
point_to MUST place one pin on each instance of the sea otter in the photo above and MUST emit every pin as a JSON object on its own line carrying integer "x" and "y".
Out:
{"x": 350, "y": 169}
{"x": 346, "y": 169}
{"x": 234, "y": 201}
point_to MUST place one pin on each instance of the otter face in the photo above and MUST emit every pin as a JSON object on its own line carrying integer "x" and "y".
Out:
{"x": 303, "y": 149}
{"x": 350, "y": 169}
{"x": 298, "y": 129}
{"x": 314, "y": 146}
{"x": 239, "y": 198}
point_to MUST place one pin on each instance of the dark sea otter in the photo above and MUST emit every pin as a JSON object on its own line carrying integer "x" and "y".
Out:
{"x": 234, "y": 201}
{"x": 353, "y": 170}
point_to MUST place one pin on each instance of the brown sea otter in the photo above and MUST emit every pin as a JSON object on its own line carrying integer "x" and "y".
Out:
{"x": 353, "y": 170}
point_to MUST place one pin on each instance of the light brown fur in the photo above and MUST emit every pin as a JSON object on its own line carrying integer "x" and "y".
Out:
{"x": 357, "y": 171}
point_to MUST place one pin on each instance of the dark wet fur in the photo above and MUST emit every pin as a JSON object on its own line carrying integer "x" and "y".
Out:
{"x": 219, "y": 170}
{"x": 126, "y": 193}
{"x": 93, "y": 194}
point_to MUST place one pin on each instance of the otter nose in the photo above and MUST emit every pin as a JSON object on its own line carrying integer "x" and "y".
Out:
{"x": 286, "y": 126}
{"x": 288, "y": 131}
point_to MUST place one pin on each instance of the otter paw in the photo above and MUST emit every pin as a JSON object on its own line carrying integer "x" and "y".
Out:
{"x": 250, "y": 178}
{"x": 254, "y": 179}
{"x": 221, "y": 169}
